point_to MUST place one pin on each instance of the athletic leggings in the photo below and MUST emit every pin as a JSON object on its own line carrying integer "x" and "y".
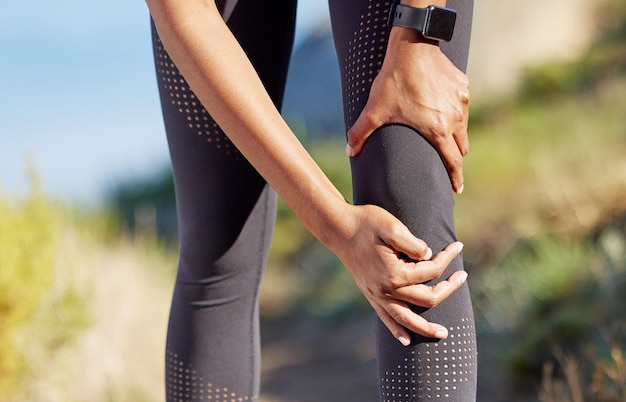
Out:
{"x": 226, "y": 215}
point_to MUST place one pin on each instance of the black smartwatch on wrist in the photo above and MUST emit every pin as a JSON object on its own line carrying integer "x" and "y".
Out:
{"x": 433, "y": 22}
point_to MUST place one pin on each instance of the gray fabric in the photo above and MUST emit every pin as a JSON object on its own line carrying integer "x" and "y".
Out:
{"x": 401, "y": 172}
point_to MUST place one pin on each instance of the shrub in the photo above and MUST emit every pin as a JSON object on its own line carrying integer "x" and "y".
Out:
{"x": 28, "y": 233}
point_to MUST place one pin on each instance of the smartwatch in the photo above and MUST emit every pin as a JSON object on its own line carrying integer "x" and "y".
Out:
{"x": 433, "y": 22}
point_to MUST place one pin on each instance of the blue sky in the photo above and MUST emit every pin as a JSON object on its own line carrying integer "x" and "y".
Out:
{"x": 78, "y": 95}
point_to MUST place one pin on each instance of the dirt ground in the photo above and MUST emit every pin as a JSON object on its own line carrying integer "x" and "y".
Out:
{"x": 312, "y": 361}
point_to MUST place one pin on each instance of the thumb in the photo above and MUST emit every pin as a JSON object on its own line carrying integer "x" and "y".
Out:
{"x": 407, "y": 245}
{"x": 358, "y": 134}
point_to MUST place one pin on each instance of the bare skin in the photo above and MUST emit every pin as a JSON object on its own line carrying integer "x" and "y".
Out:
{"x": 367, "y": 239}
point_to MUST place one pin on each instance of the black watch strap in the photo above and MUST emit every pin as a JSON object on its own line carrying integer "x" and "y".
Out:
{"x": 408, "y": 17}
{"x": 433, "y": 22}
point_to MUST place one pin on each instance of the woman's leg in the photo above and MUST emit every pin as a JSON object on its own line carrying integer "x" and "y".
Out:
{"x": 400, "y": 171}
{"x": 226, "y": 216}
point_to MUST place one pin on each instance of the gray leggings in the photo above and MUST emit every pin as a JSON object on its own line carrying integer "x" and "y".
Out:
{"x": 226, "y": 215}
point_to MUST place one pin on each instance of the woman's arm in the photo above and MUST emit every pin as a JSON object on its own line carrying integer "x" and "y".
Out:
{"x": 420, "y": 87}
{"x": 366, "y": 239}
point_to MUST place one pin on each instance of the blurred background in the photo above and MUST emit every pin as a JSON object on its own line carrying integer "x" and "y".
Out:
{"x": 88, "y": 227}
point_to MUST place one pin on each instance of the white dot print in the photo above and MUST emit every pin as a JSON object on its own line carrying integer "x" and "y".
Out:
{"x": 366, "y": 52}
{"x": 434, "y": 371}
{"x": 185, "y": 385}
{"x": 199, "y": 122}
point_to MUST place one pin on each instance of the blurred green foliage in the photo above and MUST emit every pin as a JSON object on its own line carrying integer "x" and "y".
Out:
{"x": 543, "y": 218}
{"x": 604, "y": 59}
{"x": 28, "y": 235}
{"x": 146, "y": 205}
{"x": 35, "y": 313}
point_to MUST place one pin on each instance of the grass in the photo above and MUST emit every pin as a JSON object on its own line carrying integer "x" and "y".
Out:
{"x": 558, "y": 165}
{"x": 44, "y": 309}
{"x": 28, "y": 233}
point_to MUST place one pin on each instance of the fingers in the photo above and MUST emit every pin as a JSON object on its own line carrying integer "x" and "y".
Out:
{"x": 452, "y": 149}
{"x": 359, "y": 133}
{"x": 397, "y": 330}
{"x": 423, "y": 271}
{"x": 431, "y": 296}
{"x": 398, "y": 317}
{"x": 457, "y": 145}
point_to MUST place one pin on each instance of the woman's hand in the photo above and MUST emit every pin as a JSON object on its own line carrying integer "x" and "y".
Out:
{"x": 372, "y": 256}
{"x": 420, "y": 87}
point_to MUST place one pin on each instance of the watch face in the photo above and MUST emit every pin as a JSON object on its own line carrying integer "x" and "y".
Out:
{"x": 440, "y": 23}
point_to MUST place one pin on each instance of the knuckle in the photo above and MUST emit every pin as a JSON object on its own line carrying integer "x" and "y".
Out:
{"x": 458, "y": 160}
{"x": 394, "y": 282}
{"x": 384, "y": 289}
{"x": 394, "y": 231}
{"x": 391, "y": 230}
{"x": 439, "y": 268}
{"x": 433, "y": 301}
{"x": 389, "y": 284}
{"x": 460, "y": 114}
{"x": 351, "y": 135}
{"x": 400, "y": 319}
{"x": 440, "y": 132}
{"x": 464, "y": 95}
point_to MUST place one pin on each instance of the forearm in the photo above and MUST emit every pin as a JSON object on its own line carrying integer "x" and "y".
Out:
{"x": 223, "y": 79}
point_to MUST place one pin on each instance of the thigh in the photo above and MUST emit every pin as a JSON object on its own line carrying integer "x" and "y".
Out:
{"x": 226, "y": 213}
{"x": 216, "y": 187}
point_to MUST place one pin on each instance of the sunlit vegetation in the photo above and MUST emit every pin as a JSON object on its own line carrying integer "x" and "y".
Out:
{"x": 40, "y": 307}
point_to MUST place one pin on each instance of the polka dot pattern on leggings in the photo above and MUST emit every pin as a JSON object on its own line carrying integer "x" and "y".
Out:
{"x": 366, "y": 52}
{"x": 199, "y": 122}
{"x": 185, "y": 385}
{"x": 434, "y": 370}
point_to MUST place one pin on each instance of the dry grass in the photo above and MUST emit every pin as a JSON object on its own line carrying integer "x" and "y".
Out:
{"x": 119, "y": 356}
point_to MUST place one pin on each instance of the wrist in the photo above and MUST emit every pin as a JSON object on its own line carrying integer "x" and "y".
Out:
{"x": 404, "y": 42}
{"x": 407, "y": 35}
{"x": 336, "y": 225}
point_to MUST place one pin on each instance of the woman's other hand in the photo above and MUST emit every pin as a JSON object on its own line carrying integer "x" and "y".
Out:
{"x": 420, "y": 87}
{"x": 372, "y": 254}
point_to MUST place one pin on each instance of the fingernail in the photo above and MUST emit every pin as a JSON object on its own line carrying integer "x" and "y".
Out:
{"x": 429, "y": 254}
{"x": 441, "y": 333}
{"x": 461, "y": 245}
{"x": 404, "y": 340}
{"x": 460, "y": 190}
{"x": 348, "y": 150}
{"x": 463, "y": 277}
